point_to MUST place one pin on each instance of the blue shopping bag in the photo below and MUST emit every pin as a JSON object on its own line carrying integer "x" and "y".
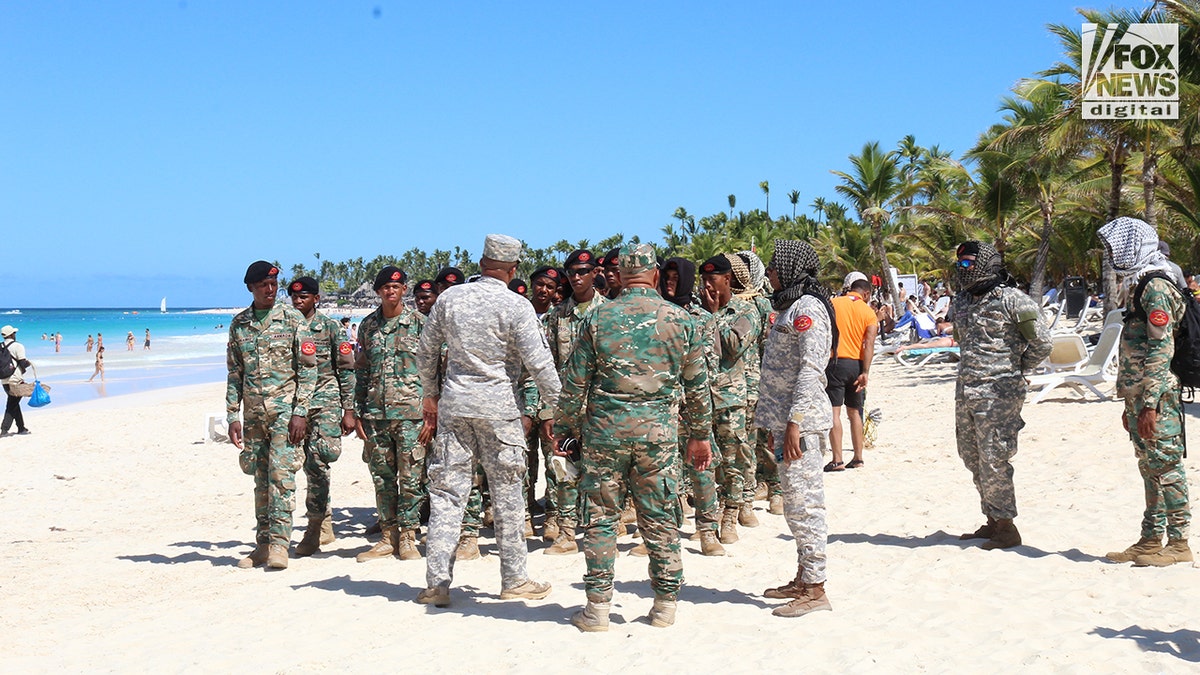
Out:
{"x": 40, "y": 396}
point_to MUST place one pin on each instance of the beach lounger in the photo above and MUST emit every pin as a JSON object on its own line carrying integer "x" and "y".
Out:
{"x": 915, "y": 358}
{"x": 1095, "y": 371}
{"x": 1068, "y": 353}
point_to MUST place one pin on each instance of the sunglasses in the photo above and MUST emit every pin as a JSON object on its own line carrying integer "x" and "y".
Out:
{"x": 579, "y": 271}
{"x": 966, "y": 264}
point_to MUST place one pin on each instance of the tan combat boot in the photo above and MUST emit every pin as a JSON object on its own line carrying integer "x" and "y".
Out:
{"x": 277, "y": 557}
{"x": 389, "y": 539}
{"x": 468, "y": 548}
{"x": 685, "y": 507}
{"x": 984, "y": 531}
{"x": 1144, "y": 546}
{"x": 746, "y": 517}
{"x": 593, "y": 618}
{"x": 639, "y": 551}
{"x": 809, "y": 598}
{"x": 789, "y": 590}
{"x": 621, "y": 529}
{"x": 1004, "y": 535}
{"x": 311, "y": 542}
{"x": 565, "y": 544}
{"x": 526, "y": 590}
{"x": 327, "y": 536}
{"x": 729, "y": 533}
{"x": 776, "y": 505}
{"x": 550, "y": 528}
{"x": 761, "y": 492}
{"x": 1176, "y": 551}
{"x": 709, "y": 545}
{"x": 438, "y": 596}
{"x": 629, "y": 515}
{"x": 256, "y": 558}
{"x": 662, "y": 614}
{"x": 407, "y": 546}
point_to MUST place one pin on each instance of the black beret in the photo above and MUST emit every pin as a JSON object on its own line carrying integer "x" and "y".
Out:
{"x": 389, "y": 274}
{"x": 546, "y": 271}
{"x": 518, "y": 286}
{"x": 968, "y": 248}
{"x": 580, "y": 257}
{"x": 259, "y": 270}
{"x": 304, "y": 285}
{"x": 610, "y": 258}
{"x": 450, "y": 275}
{"x": 425, "y": 286}
{"x": 718, "y": 264}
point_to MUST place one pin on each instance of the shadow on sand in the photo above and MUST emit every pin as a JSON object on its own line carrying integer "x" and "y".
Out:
{"x": 943, "y": 538}
{"x": 194, "y": 556}
{"x": 1182, "y": 644}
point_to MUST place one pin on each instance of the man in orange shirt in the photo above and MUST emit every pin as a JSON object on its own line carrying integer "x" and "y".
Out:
{"x": 857, "y": 326}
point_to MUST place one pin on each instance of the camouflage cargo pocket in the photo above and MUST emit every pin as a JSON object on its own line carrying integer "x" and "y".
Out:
{"x": 246, "y": 460}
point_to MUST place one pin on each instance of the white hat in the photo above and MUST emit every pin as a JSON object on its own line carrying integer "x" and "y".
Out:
{"x": 8, "y": 330}
{"x": 853, "y": 277}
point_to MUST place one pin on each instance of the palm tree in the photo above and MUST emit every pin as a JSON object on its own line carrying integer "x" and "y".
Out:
{"x": 732, "y": 203}
{"x": 818, "y": 206}
{"x": 766, "y": 188}
{"x": 794, "y": 198}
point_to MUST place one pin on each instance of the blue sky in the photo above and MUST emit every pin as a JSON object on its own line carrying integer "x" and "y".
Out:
{"x": 156, "y": 148}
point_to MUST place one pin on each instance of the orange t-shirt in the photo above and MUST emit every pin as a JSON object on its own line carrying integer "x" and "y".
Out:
{"x": 853, "y": 317}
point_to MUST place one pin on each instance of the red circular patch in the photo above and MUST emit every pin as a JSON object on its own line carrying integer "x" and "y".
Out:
{"x": 520, "y": 289}
{"x": 345, "y": 348}
{"x": 308, "y": 348}
{"x": 709, "y": 267}
{"x": 553, "y": 274}
{"x": 297, "y": 286}
{"x": 395, "y": 276}
{"x": 585, "y": 256}
{"x": 451, "y": 278}
{"x": 273, "y": 272}
{"x": 1159, "y": 318}
{"x": 771, "y": 317}
{"x": 802, "y": 323}
{"x": 427, "y": 286}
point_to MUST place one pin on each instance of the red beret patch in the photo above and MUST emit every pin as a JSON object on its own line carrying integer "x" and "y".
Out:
{"x": 426, "y": 286}
{"x": 297, "y": 286}
{"x": 553, "y": 274}
{"x": 395, "y": 276}
{"x": 452, "y": 277}
{"x": 520, "y": 289}
{"x": 345, "y": 348}
{"x": 709, "y": 267}
{"x": 274, "y": 271}
{"x": 771, "y": 317}
{"x": 1159, "y": 318}
{"x": 802, "y": 323}
{"x": 585, "y": 256}
{"x": 308, "y": 348}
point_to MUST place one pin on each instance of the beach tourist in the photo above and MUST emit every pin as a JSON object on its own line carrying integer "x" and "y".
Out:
{"x": 612, "y": 273}
{"x": 99, "y": 365}
{"x": 424, "y": 295}
{"x": 738, "y": 327}
{"x": 848, "y": 375}
{"x": 91, "y": 342}
{"x": 12, "y": 407}
{"x": 146, "y": 344}
{"x": 99, "y": 340}
{"x": 129, "y": 342}
{"x": 1001, "y": 336}
{"x": 57, "y": 342}
{"x": 388, "y": 400}
{"x": 562, "y": 329}
{"x": 330, "y": 412}
{"x": 793, "y": 406}
{"x": 447, "y": 277}
{"x": 1153, "y": 415}
{"x": 272, "y": 373}
{"x": 489, "y": 334}
{"x": 637, "y": 359}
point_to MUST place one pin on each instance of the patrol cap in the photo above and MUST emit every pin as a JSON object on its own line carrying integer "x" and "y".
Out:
{"x": 546, "y": 271}
{"x": 518, "y": 286}
{"x": 610, "y": 258}
{"x": 259, "y": 270}
{"x": 637, "y": 258}
{"x": 425, "y": 286}
{"x": 450, "y": 275}
{"x": 502, "y": 248}
{"x": 718, "y": 264}
{"x": 389, "y": 274}
{"x": 580, "y": 257}
{"x": 304, "y": 285}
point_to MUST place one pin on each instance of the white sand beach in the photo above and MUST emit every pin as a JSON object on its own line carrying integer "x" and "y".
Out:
{"x": 122, "y": 530}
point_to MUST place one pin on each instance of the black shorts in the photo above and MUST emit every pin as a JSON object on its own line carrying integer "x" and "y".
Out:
{"x": 841, "y": 376}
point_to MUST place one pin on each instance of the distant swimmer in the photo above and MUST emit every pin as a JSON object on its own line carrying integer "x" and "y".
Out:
{"x": 129, "y": 340}
{"x": 90, "y": 343}
{"x": 99, "y": 365}
{"x": 146, "y": 344}
{"x": 58, "y": 342}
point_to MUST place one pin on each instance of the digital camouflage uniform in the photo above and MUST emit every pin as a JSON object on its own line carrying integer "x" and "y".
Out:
{"x": 490, "y": 333}
{"x": 792, "y": 389}
{"x": 1145, "y": 380}
{"x": 388, "y": 399}
{"x": 994, "y": 355}
{"x": 621, "y": 392}
{"x": 333, "y": 394}
{"x": 737, "y": 330}
{"x": 272, "y": 375}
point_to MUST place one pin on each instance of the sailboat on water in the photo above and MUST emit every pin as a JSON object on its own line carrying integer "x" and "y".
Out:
{"x": 162, "y": 306}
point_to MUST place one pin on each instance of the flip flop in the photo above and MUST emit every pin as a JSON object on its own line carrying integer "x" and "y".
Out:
{"x": 854, "y": 464}
{"x": 835, "y": 466}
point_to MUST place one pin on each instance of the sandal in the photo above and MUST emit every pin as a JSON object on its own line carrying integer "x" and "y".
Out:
{"x": 835, "y": 466}
{"x": 854, "y": 464}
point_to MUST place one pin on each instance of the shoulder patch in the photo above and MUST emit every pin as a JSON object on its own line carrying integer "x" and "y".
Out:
{"x": 771, "y": 318}
{"x": 345, "y": 348}
{"x": 802, "y": 322}
{"x": 308, "y": 348}
{"x": 1159, "y": 318}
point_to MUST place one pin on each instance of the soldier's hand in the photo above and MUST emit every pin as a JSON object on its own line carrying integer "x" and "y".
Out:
{"x": 429, "y": 410}
{"x": 527, "y": 424}
{"x": 792, "y": 449}
{"x": 359, "y": 430}
{"x": 235, "y": 434}
{"x": 297, "y": 428}
{"x": 548, "y": 431}
{"x": 1147, "y": 423}
{"x": 349, "y": 422}
{"x": 1125, "y": 420}
{"x": 426, "y": 434}
{"x": 699, "y": 453}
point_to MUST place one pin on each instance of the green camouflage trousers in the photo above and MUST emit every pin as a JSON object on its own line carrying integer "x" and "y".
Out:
{"x": 703, "y": 486}
{"x": 566, "y": 501}
{"x": 729, "y": 429}
{"x": 322, "y": 447}
{"x": 986, "y": 432}
{"x": 473, "y": 515}
{"x": 766, "y": 468}
{"x": 751, "y": 478}
{"x": 610, "y": 474}
{"x": 1160, "y": 461}
{"x": 267, "y": 455}
{"x": 395, "y": 471}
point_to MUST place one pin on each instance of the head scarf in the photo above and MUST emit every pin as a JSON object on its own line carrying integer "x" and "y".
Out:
{"x": 687, "y": 281}
{"x": 1133, "y": 249}
{"x": 795, "y": 262}
{"x": 987, "y": 272}
{"x": 758, "y": 271}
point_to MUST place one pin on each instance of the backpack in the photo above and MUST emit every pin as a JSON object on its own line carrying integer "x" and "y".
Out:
{"x": 8, "y": 365}
{"x": 1186, "y": 362}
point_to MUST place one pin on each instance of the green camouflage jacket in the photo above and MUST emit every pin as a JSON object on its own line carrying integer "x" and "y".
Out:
{"x": 335, "y": 365}
{"x": 388, "y": 384}
{"x": 738, "y": 330}
{"x": 272, "y": 364}
{"x": 1148, "y": 345}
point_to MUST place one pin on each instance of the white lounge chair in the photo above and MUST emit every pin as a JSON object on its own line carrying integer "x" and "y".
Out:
{"x": 1068, "y": 354}
{"x": 1094, "y": 372}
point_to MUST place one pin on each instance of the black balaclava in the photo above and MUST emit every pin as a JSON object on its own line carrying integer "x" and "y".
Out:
{"x": 687, "y": 281}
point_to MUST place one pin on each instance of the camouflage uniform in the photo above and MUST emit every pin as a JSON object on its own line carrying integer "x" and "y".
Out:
{"x": 333, "y": 394}
{"x": 737, "y": 331}
{"x": 703, "y": 483}
{"x": 792, "y": 389}
{"x": 1145, "y": 380}
{"x": 620, "y": 396}
{"x": 991, "y": 387}
{"x": 388, "y": 399}
{"x": 272, "y": 375}
{"x": 490, "y": 333}
{"x": 763, "y": 467}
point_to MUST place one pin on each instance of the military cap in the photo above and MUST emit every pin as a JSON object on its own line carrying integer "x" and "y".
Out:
{"x": 450, "y": 275}
{"x": 637, "y": 258}
{"x": 304, "y": 285}
{"x": 259, "y": 270}
{"x": 502, "y": 248}
{"x": 581, "y": 257}
{"x": 424, "y": 286}
{"x": 718, "y": 264}
{"x": 610, "y": 258}
{"x": 389, "y": 274}
{"x": 518, "y": 286}
{"x": 546, "y": 271}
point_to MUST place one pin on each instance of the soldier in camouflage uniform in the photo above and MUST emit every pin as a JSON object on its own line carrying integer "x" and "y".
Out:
{"x": 1153, "y": 415}
{"x": 272, "y": 374}
{"x": 490, "y": 335}
{"x": 387, "y": 396}
{"x": 1001, "y": 336}
{"x": 562, "y": 327}
{"x": 793, "y": 407}
{"x": 621, "y": 389}
{"x": 737, "y": 331}
{"x": 330, "y": 414}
